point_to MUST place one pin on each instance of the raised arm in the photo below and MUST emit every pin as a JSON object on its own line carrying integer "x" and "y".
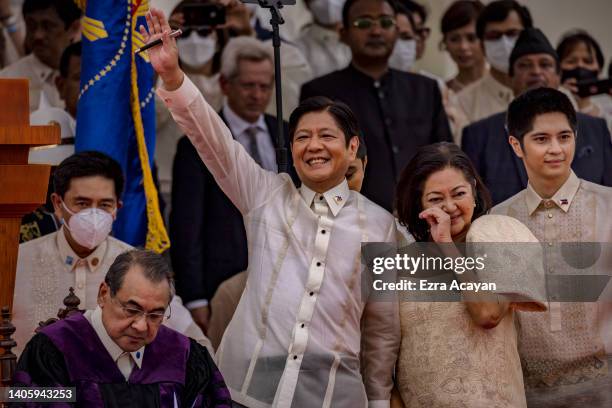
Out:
{"x": 245, "y": 183}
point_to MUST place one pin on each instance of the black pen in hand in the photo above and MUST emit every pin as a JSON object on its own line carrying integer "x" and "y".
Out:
{"x": 173, "y": 34}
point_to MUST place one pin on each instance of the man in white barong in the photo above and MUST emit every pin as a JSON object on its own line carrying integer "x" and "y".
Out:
{"x": 302, "y": 334}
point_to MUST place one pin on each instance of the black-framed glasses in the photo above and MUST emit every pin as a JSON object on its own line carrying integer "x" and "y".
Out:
{"x": 134, "y": 313}
{"x": 365, "y": 23}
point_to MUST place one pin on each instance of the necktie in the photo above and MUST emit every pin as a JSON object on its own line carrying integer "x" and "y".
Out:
{"x": 252, "y": 144}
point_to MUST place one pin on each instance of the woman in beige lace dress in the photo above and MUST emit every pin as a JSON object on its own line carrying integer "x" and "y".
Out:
{"x": 460, "y": 354}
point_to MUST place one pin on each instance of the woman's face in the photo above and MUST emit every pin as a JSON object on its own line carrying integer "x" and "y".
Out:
{"x": 449, "y": 190}
{"x": 581, "y": 56}
{"x": 464, "y": 47}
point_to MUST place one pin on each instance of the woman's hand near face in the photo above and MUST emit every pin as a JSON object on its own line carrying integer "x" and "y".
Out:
{"x": 439, "y": 224}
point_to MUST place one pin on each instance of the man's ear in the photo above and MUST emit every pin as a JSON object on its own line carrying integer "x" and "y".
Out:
{"x": 365, "y": 163}
{"x": 353, "y": 146}
{"x": 59, "y": 84}
{"x": 224, "y": 84}
{"x": 119, "y": 204}
{"x": 57, "y": 205}
{"x": 74, "y": 31}
{"x": 516, "y": 146}
{"x": 102, "y": 292}
{"x": 344, "y": 36}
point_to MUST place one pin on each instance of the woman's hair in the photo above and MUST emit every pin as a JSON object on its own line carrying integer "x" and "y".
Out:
{"x": 576, "y": 37}
{"x": 460, "y": 14}
{"x": 428, "y": 160}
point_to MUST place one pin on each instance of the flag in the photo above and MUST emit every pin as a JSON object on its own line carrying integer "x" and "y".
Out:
{"x": 116, "y": 112}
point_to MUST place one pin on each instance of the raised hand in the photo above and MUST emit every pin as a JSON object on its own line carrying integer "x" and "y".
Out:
{"x": 164, "y": 58}
{"x": 439, "y": 224}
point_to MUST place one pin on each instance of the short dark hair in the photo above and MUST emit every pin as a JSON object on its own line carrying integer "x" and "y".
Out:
{"x": 498, "y": 11}
{"x": 414, "y": 8}
{"x": 460, "y": 14}
{"x": 154, "y": 267}
{"x": 67, "y": 10}
{"x": 350, "y": 3}
{"x": 574, "y": 38}
{"x": 73, "y": 50}
{"x": 428, "y": 160}
{"x": 342, "y": 114}
{"x": 87, "y": 164}
{"x": 523, "y": 110}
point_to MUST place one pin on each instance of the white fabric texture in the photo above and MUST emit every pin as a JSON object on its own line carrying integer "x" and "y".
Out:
{"x": 296, "y": 335}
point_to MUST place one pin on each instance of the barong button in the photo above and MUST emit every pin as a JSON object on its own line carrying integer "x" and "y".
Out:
{"x": 311, "y": 293}
{"x": 294, "y": 357}
{"x": 550, "y": 244}
{"x": 322, "y": 231}
{"x": 302, "y": 325}
{"x": 318, "y": 263}
{"x": 550, "y": 215}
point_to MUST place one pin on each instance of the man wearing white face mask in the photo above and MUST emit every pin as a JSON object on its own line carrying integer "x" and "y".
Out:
{"x": 498, "y": 27}
{"x": 87, "y": 187}
{"x": 320, "y": 41}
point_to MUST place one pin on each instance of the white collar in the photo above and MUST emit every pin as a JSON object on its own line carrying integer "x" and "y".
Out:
{"x": 239, "y": 125}
{"x": 113, "y": 349}
{"x": 336, "y": 197}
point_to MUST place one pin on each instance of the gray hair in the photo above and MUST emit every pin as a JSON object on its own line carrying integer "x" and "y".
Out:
{"x": 154, "y": 267}
{"x": 243, "y": 48}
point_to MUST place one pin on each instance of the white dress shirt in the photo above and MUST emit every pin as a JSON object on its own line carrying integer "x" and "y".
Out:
{"x": 125, "y": 360}
{"x": 301, "y": 326}
{"x": 239, "y": 128}
{"x": 41, "y": 77}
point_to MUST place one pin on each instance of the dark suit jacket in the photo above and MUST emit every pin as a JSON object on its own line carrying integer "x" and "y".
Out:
{"x": 209, "y": 243}
{"x": 486, "y": 142}
{"x": 397, "y": 114}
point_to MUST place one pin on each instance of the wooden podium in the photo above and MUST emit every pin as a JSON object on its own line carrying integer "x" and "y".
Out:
{"x": 23, "y": 187}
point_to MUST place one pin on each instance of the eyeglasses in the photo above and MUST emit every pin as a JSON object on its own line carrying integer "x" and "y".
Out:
{"x": 365, "y": 23}
{"x": 132, "y": 313}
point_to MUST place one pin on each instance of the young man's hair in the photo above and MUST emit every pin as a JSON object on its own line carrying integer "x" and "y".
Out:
{"x": 524, "y": 110}
{"x": 414, "y": 8}
{"x": 428, "y": 160}
{"x": 87, "y": 164}
{"x": 576, "y": 37}
{"x": 73, "y": 50}
{"x": 403, "y": 10}
{"x": 460, "y": 14}
{"x": 67, "y": 10}
{"x": 343, "y": 116}
{"x": 349, "y": 3}
{"x": 498, "y": 11}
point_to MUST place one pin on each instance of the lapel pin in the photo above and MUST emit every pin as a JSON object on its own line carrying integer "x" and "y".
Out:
{"x": 338, "y": 199}
{"x": 564, "y": 201}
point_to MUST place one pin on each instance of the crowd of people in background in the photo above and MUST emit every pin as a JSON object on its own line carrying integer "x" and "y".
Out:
{"x": 509, "y": 149}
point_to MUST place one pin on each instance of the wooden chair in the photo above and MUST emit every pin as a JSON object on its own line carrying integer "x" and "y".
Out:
{"x": 8, "y": 360}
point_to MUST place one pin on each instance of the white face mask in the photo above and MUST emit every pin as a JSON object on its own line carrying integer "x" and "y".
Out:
{"x": 327, "y": 12}
{"x": 404, "y": 55}
{"x": 89, "y": 227}
{"x": 498, "y": 52}
{"x": 196, "y": 50}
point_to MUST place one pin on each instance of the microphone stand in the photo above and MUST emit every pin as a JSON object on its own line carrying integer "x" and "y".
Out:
{"x": 276, "y": 21}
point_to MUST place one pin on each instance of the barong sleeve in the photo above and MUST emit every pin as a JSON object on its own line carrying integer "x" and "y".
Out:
{"x": 380, "y": 340}
{"x": 203, "y": 381}
{"x": 244, "y": 182}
